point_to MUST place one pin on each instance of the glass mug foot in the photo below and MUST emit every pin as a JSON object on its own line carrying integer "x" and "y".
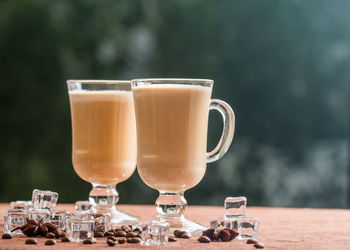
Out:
{"x": 183, "y": 224}
{"x": 103, "y": 199}
{"x": 119, "y": 218}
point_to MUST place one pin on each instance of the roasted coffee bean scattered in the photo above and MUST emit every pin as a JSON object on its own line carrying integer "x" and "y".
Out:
{"x": 31, "y": 241}
{"x": 137, "y": 230}
{"x": 209, "y": 233}
{"x": 33, "y": 228}
{"x": 216, "y": 235}
{"x": 179, "y": 233}
{"x": 109, "y": 233}
{"x": 259, "y": 245}
{"x": 6, "y": 236}
{"x": 225, "y": 235}
{"x": 65, "y": 239}
{"x": 185, "y": 236}
{"x": 110, "y": 243}
{"x": 50, "y": 242}
{"x": 131, "y": 234}
{"x": 172, "y": 239}
{"x": 126, "y": 228}
{"x": 100, "y": 234}
{"x": 121, "y": 240}
{"x": 133, "y": 240}
{"x": 50, "y": 235}
{"x": 204, "y": 239}
{"x": 88, "y": 241}
{"x": 111, "y": 238}
{"x": 57, "y": 232}
{"x": 233, "y": 233}
{"x": 252, "y": 241}
{"x": 120, "y": 233}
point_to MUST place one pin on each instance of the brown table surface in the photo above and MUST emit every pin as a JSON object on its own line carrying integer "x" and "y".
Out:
{"x": 280, "y": 228}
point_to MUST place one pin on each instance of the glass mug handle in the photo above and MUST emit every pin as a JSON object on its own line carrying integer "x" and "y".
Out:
{"x": 228, "y": 130}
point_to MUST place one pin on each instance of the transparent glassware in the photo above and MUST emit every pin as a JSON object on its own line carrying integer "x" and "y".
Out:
{"x": 172, "y": 123}
{"x": 103, "y": 140}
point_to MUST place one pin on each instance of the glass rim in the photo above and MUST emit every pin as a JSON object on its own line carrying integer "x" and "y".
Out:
{"x": 92, "y": 81}
{"x": 173, "y": 80}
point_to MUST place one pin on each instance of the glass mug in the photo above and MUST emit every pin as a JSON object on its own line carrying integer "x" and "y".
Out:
{"x": 172, "y": 123}
{"x": 104, "y": 140}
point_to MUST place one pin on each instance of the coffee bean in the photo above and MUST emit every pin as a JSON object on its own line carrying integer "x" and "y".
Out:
{"x": 111, "y": 238}
{"x": 100, "y": 234}
{"x": 179, "y": 233}
{"x": 185, "y": 236}
{"x": 43, "y": 229}
{"x": 50, "y": 226}
{"x": 216, "y": 235}
{"x": 137, "y": 230}
{"x": 225, "y": 235}
{"x": 110, "y": 243}
{"x": 109, "y": 233}
{"x": 6, "y": 236}
{"x": 131, "y": 234}
{"x": 204, "y": 239}
{"x": 252, "y": 241}
{"x": 172, "y": 239}
{"x": 126, "y": 228}
{"x": 120, "y": 233}
{"x": 50, "y": 235}
{"x": 87, "y": 241}
{"x": 65, "y": 239}
{"x": 209, "y": 233}
{"x": 50, "y": 242}
{"x": 121, "y": 240}
{"x": 57, "y": 232}
{"x": 133, "y": 240}
{"x": 31, "y": 241}
{"x": 259, "y": 245}
{"x": 233, "y": 233}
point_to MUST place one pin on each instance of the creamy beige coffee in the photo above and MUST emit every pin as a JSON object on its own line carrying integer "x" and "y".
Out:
{"x": 172, "y": 123}
{"x": 104, "y": 135}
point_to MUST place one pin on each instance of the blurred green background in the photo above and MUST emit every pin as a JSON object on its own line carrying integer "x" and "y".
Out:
{"x": 282, "y": 65}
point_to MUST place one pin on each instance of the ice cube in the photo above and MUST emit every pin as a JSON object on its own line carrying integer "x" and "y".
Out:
{"x": 23, "y": 205}
{"x": 248, "y": 228}
{"x": 59, "y": 218}
{"x": 224, "y": 223}
{"x": 79, "y": 227}
{"x": 102, "y": 221}
{"x": 235, "y": 207}
{"x": 82, "y": 205}
{"x": 38, "y": 215}
{"x": 154, "y": 233}
{"x": 14, "y": 218}
{"x": 44, "y": 200}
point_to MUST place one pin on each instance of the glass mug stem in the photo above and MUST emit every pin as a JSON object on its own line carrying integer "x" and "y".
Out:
{"x": 103, "y": 197}
{"x": 171, "y": 205}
